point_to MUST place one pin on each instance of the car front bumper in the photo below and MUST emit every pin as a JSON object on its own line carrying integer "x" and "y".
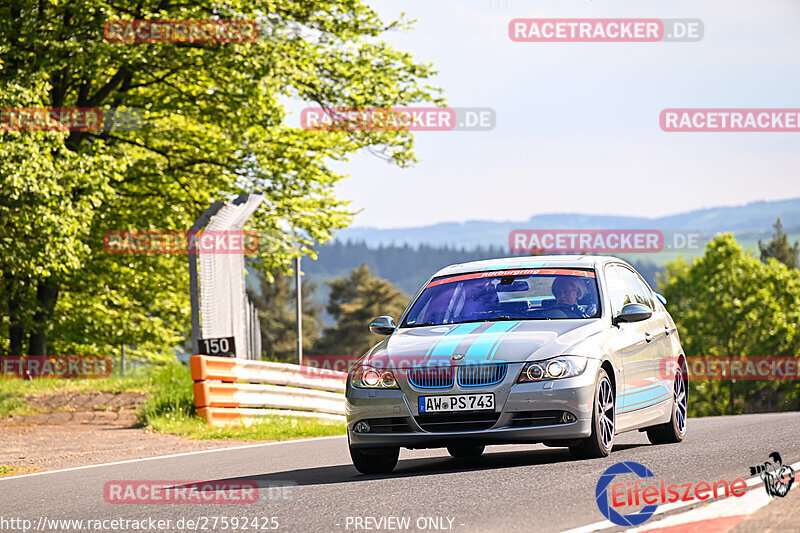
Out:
{"x": 518, "y": 407}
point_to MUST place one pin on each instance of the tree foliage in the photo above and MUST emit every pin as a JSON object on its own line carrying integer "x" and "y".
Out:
{"x": 728, "y": 303}
{"x": 275, "y": 302}
{"x": 354, "y": 301}
{"x": 779, "y": 248}
{"x": 213, "y": 126}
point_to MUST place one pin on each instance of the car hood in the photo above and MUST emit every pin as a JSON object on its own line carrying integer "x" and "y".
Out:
{"x": 511, "y": 341}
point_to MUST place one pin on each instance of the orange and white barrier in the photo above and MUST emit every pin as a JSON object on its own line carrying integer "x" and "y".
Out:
{"x": 230, "y": 391}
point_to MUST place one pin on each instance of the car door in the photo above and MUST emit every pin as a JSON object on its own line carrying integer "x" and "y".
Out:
{"x": 661, "y": 335}
{"x": 630, "y": 346}
{"x": 653, "y": 392}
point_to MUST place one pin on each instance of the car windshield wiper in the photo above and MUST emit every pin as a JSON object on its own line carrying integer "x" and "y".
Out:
{"x": 420, "y": 325}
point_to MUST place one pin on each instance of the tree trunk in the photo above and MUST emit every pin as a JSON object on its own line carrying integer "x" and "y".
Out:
{"x": 16, "y": 330}
{"x": 46, "y": 296}
{"x": 16, "y": 335}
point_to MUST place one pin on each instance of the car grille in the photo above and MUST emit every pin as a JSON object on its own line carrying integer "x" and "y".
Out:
{"x": 457, "y": 422}
{"x": 529, "y": 419}
{"x": 432, "y": 377}
{"x": 478, "y": 375}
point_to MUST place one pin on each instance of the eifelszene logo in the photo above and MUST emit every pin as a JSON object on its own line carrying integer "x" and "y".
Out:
{"x": 613, "y": 498}
{"x": 601, "y": 494}
{"x": 777, "y": 477}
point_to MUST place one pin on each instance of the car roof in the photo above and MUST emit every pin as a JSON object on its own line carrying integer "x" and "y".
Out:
{"x": 539, "y": 261}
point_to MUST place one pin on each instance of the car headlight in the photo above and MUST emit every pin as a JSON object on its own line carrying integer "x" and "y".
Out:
{"x": 372, "y": 378}
{"x": 566, "y": 366}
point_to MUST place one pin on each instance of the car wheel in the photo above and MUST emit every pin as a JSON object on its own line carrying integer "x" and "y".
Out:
{"x": 601, "y": 441}
{"x": 460, "y": 451}
{"x": 674, "y": 430}
{"x": 374, "y": 460}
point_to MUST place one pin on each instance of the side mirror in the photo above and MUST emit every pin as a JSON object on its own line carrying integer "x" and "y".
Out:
{"x": 633, "y": 313}
{"x": 661, "y": 299}
{"x": 383, "y": 325}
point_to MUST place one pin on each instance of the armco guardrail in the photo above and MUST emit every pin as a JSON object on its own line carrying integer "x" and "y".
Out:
{"x": 231, "y": 391}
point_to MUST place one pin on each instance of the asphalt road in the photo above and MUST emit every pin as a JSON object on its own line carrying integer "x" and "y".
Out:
{"x": 510, "y": 488}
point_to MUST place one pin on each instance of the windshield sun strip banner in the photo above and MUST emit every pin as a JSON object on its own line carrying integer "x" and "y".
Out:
{"x": 524, "y": 272}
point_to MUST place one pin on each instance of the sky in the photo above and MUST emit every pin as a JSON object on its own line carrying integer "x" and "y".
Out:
{"x": 578, "y": 123}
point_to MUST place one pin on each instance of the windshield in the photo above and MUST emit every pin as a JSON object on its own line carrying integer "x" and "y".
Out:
{"x": 538, "y": 294}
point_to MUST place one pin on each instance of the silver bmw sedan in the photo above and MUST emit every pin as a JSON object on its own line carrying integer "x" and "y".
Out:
{"x": 561, "y": 350}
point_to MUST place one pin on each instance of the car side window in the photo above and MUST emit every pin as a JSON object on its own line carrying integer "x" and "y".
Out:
{"x": 640, "y": 292}
{"x": 617, "y": 291}
{"x": 651, "y": 297}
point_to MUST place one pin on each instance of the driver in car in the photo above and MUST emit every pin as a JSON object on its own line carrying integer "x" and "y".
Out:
{"x": 568, "y": 290}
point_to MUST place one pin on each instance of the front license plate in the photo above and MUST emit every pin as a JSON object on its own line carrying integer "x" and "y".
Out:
{"x": 457, "y": 402}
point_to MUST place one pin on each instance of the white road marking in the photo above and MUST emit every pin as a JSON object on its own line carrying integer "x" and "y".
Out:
{"x": 170, "y": 456}
{"x": 743, "y": 506}
{"x": 753, "y": 503}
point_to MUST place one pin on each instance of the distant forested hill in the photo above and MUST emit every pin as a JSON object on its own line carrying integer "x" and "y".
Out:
{"x": 755, "y": 219}
{"x": 405, "y": 266}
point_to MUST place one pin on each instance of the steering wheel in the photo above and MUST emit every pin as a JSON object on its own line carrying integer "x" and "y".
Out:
{"x": 567, "y": 310}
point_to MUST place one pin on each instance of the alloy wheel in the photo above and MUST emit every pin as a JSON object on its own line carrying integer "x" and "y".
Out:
{"x": 679, "y": 392}
{"x": 605, "y": 412}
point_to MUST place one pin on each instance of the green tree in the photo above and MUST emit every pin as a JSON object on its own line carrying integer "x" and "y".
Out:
{"x": 275, "y": 303}
{"x": 354, "y": 300}
{"x": 779, "y": 248}
{"x": 727, "y": 303}
{"x": 213, "y": 127}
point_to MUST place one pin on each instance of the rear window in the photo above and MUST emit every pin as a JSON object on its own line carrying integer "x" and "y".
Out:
{"x": 536, "y": 294}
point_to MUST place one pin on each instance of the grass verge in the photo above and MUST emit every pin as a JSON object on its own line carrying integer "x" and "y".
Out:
{"x": 137, "y": 381}
{"x": 170, "y": 409}
{"x": 16, "y": 470}
{"x": 13, "y": 391}
{"x": 12, "y": 404}
{"x": 271, "y": 428}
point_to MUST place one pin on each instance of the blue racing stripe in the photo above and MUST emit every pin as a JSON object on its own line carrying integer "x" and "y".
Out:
{"x": 642, "y": 404}
{"x": 482, "y": 348}
{"x": 640, "y": 396}
{"x": 640, "y": 390}
{"x": 515, "y": 325}
{"x": 449, "y": 341}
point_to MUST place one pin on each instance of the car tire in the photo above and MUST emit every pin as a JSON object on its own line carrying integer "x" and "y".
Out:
{"x": 601, "y": 441}
{"x": 374, "y": 460}
{"x": 673, "y": 431}
{"x": 463, "y": 451}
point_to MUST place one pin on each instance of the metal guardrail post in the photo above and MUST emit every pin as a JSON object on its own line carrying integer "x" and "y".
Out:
{"x": 299, "y": 287}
